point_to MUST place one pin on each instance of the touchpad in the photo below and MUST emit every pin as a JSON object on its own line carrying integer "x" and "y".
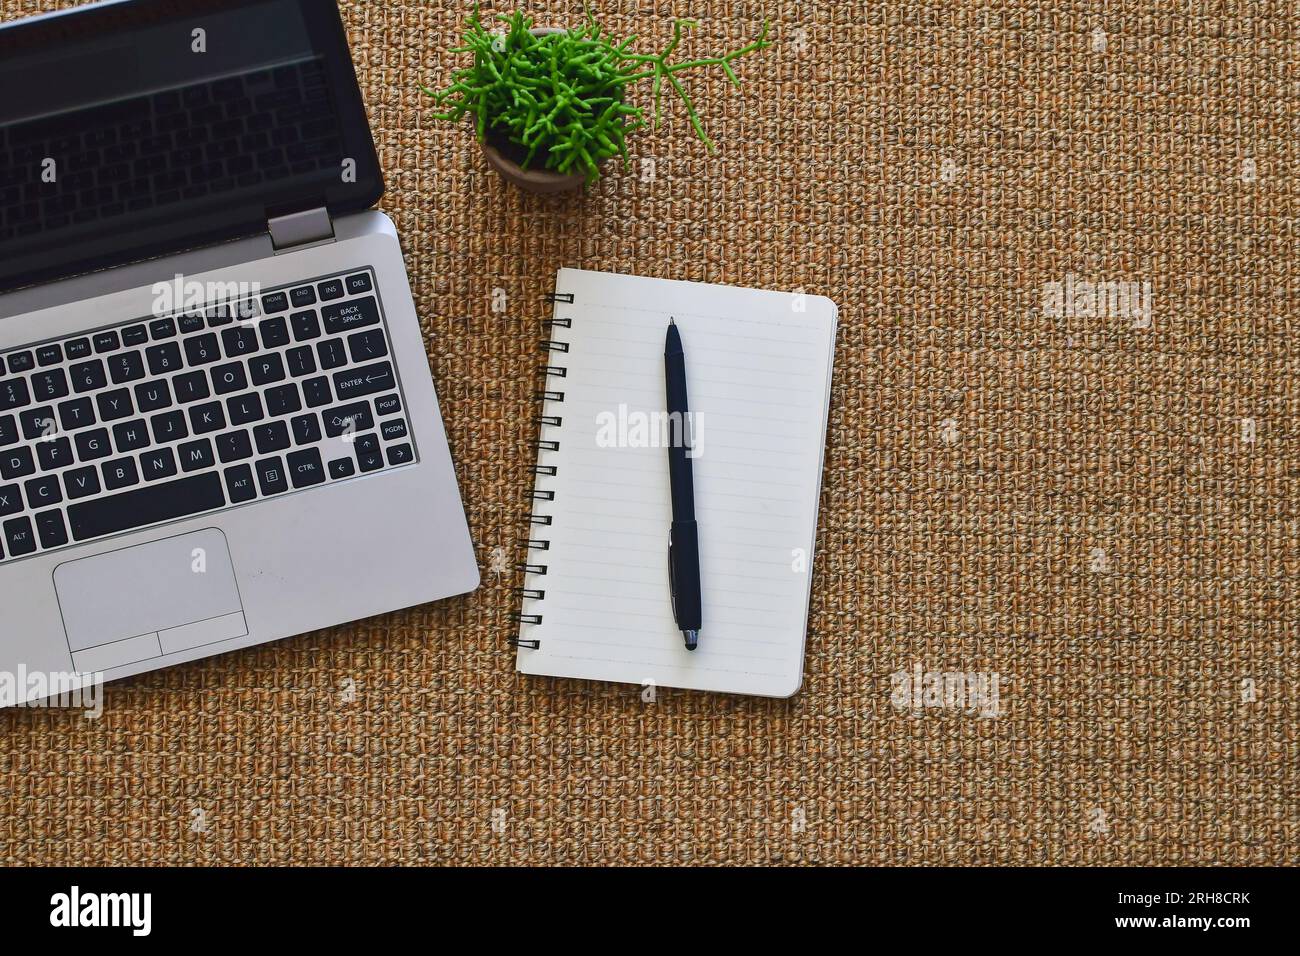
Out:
{"x": 154, "y": 599}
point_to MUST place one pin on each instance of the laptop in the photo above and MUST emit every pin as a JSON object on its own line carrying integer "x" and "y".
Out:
{"x": 217, "y": 422}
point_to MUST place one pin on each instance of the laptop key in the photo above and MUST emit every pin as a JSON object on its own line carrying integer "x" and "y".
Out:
{"x": 229, "y": 378}
{"x": 393, "y": 430}
{"x": 346, "y": 316}
{"x": 125, "y": 367}
{"x": 135, "y": 335}
{"x": 196, "y": 454}
{"x": 331, "y": 352}
{"x": 8, "y": 430}
{"x": 270, "y": 476}
{"x": 80, "y": 482}
{"x": 207, "y": 417}
{"x": 388, "y": 405}
{"x": 114, "y": 405}
{"x": 49, "y": 385}
{"x": 265, "y": 369}
{"x": 49, "y": 354}
{"x": 14, "y": 394}
{"x": 157, "y": 464}
{"x": 119, "y": 473}
{"x": 400, "y": 454}
{"x": 202, "y": 349}
{"x": 77, "y": 348}
{"x": 88, "y": 376}
{"x": 347, "y": 419}
{"x": 272, "y": 436}
{"x": 93, "y": 444}
{"x": 330, "y": 289}
{"x": 191, "y": 387}
{"x": 305, "y": 468}
{"x": 106, "y": 341}
{"x": 359, "y": 283}
{"x": 367, "y": 345}
{"x": 274, "y": 332}
{"x": 162, "y": 328}
{"x": 163, "y": 359}
{"x": 43, "y": 490}
{"x": 151, "y": 396}
{"x": 275, "y": 302}
{"x": 316, "y": 392}
{"x": 239, "y": 481}
{"x": 306, "y": 429}
{"x": 76, "y": 413}
{"x": 11, "y": 499}
{"x": 305, "y": 326}
{"x": 38, "y": 423}
{"x": 355, "y": 382}
{"x": 234, "y": 446}
{"x": 169, "y": 426}
{"x": 53, "y": 454}
{"x": 303, "y": 295}
{"x": 240, "y": 340}
{"x": 130, "y": 436}
{"x": 19, "y": 536}
{"x": 24, "y": 362}
{"x": 245, "y": 408}
{"x": 49, "y": 524}
{"x": 342, "y": 468}
{"x": 301, "y": 360}
{"x": 144, "y": 506}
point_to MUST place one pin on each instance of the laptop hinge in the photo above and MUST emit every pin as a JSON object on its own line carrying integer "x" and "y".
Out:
{"x": 300, "y": 228}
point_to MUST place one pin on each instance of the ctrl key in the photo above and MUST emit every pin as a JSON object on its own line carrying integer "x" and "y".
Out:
{"x": 305, "y": 468}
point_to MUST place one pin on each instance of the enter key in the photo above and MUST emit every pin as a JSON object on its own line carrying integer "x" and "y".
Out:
{"x": 355, "y": 382}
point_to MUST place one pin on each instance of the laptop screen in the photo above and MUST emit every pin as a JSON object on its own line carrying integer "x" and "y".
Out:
{"x": 140, "y": 127}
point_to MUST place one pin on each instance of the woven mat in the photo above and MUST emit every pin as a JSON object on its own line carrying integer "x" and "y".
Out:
{"x": 1099, "y": 509}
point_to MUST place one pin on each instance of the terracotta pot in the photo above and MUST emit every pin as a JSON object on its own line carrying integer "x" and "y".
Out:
{"x": 534, "y": 179}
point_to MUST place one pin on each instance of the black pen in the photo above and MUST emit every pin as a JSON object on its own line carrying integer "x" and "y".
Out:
{"x": 683, "y": 537}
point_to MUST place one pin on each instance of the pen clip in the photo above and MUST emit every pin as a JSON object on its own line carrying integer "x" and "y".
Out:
{"x": 672, "y": 578}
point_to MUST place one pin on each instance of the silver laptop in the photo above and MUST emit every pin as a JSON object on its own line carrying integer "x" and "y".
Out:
{"x": 217, "y": 423}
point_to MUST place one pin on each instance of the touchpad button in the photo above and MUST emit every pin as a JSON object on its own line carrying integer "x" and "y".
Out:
{"x": 150, "y": 600}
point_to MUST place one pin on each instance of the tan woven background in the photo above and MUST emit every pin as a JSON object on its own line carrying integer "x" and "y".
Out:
{"x": 966, "y": 546}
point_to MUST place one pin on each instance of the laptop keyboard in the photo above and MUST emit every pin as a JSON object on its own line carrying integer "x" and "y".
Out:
{"x": 157, "y": 420}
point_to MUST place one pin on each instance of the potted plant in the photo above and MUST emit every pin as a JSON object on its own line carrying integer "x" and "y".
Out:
{"x": 551, "y": 105}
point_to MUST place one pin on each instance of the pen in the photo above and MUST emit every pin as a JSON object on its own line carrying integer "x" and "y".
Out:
{"x": 683, "y": 537}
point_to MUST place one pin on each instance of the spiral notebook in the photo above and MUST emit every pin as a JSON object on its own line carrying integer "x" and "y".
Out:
{"x": 596, "y": 602}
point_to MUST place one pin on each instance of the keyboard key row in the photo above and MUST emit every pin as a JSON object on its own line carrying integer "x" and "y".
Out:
{"x": 274, "y": 330}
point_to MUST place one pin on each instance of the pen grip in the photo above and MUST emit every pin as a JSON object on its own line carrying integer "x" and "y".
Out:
{"x": 684, "y": 566}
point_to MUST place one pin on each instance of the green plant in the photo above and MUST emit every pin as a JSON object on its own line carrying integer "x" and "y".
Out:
{"x": 562, "y": 98}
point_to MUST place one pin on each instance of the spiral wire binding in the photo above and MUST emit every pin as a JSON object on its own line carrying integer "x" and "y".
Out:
{"x": 544, "y": 420}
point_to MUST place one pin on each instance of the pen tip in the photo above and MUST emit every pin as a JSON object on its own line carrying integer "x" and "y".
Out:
{"x": 671, "y": 320}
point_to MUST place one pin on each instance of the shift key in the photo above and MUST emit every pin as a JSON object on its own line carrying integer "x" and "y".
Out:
{"x": 355, "y": 382}
{"x": 346, "y": 316}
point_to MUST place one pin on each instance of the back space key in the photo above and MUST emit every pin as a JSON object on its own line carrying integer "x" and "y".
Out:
{"x": 144, "y": 506}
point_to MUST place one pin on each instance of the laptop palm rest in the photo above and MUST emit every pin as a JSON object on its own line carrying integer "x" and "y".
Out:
{"x": 150, "y": 600}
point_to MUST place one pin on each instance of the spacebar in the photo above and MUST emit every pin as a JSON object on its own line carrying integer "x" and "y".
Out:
{"x": 147, "y": 505}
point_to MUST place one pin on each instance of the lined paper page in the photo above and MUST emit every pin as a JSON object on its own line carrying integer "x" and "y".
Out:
{"x": 758, "y": 376}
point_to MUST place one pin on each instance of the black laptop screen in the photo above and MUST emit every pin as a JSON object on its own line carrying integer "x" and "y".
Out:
{"x": 140, "y": 127}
